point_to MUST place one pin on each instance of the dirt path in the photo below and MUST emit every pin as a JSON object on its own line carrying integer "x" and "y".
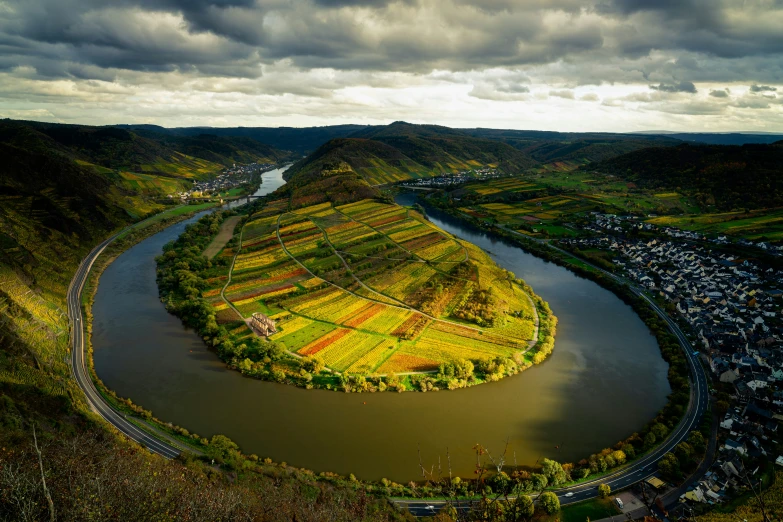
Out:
{"x": 224, "y": 234}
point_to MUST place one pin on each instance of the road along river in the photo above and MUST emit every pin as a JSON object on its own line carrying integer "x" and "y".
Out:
{"x": 605, "y": 380}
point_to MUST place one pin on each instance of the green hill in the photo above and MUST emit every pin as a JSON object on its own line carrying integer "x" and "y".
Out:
{"x": 720, "y": 176}
{"x": 402, "y": 151}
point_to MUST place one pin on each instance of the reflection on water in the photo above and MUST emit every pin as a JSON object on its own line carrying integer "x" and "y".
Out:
{"x": 604, "y": 380}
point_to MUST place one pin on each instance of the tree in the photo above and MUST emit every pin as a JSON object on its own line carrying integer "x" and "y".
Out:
{"x": 697, "y": 441}
{"x": 223, "y": 446}
{"x": 549, "y": 502}
{"x": 649, "y": 440}
{"x": 619, "y": 457}
{"x": 669, "y": 466}
{"x": 538, "y": 481}
{"x": 553, "y": 472}
{"x": 520, "y": 508}
{"x": 659, "y": 430}
{"x": 684, "y": 453}
{"x": 604, "y": 490}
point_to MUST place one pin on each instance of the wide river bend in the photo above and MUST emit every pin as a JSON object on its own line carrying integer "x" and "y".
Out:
{"x": 605, "y": 380}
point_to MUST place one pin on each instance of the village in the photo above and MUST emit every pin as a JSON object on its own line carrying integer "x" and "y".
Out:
{"x": 229, "y": 178}
{"x": 732, "y": 306}
{"x": 457, "y": 178}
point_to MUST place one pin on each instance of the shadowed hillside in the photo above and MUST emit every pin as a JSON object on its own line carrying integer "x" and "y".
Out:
{"x": 726, "y": 177}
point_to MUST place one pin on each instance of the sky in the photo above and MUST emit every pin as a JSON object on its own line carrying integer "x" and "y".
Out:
{"x": 601, "y": 65}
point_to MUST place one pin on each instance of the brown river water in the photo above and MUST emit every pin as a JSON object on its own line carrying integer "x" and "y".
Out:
{"x": 605, "y": 380}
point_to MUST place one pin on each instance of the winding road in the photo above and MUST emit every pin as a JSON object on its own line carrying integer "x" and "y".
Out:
{"x": 630, "y": 474}
{"x": 80, "y": 369}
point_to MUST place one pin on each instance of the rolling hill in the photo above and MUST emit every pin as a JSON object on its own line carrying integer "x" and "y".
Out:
{"x": 574, "y": 148}
{"x": 298, "y": 140}
{"x": 402, "y": 151}
{"x": 725, "y": 177}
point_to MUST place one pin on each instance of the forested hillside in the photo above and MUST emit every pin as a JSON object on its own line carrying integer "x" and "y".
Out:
{"x": 299, "y": 140}
{"x": 402, "y": 151}
{"x": 725, "y": 177}
{"x": 572, "y": 147}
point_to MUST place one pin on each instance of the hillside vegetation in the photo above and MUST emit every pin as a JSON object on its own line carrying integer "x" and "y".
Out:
{"x": 402, "y": 151}
{"x": 721, "y": 177}
{"x": 298, "y": 140}
{"x": 158, "y": 164}
{"x": 573, "y": 148}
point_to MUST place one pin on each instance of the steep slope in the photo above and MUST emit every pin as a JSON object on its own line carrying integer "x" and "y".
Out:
{"x": 726, "y": 177}
{"x": 403, "y": 151}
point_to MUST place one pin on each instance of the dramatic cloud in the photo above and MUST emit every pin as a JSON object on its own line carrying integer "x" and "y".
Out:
{"x": 677, "y": 87}
{"x": 762, "y": 88}
{"x": 300, "y": 61}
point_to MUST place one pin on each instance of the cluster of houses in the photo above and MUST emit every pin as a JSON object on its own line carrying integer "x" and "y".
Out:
{"x": 229, "y": 178}
{"x": 746, "y": 436}
{"x": 733, "y": 306}
{"x": 457, "y": 178}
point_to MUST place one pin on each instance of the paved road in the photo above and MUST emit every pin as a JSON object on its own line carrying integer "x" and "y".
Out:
{"x": 646, "y": 466}
{"x": 82, "y": 374}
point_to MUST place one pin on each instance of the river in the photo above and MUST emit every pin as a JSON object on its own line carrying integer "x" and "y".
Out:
{"x": 605, "y": 380}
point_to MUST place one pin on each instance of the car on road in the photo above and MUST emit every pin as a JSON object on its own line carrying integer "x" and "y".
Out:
{"x": 569, "y": 494}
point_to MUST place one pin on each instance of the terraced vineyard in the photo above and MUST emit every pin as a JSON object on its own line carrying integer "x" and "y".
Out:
{"x": 370, "y": 288}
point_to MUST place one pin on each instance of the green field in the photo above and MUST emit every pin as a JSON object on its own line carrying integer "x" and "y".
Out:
{"x": 595, "y": 509}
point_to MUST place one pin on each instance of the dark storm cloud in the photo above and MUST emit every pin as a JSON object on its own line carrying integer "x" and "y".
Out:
{"x": 676, "y": 87}
{"x": 762, "y": 88}
{"x": 655, "y": 41}
{"x": 720, "y": 93}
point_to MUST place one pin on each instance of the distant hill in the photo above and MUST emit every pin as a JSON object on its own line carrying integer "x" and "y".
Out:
{"x": 403, "y": 151}
{"x": 721, "y": 138}
{"x": 299, "y": 140}
{"x": 579, "y": 148}
{"x": 223, "y": 150}
{"x": 727, "y": 177}
{"x": 153, "y": 152}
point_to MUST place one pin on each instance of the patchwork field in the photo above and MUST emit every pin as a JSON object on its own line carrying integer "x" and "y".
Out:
{"x": 529, "y": 206}
{"x": 370, "y": 288}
